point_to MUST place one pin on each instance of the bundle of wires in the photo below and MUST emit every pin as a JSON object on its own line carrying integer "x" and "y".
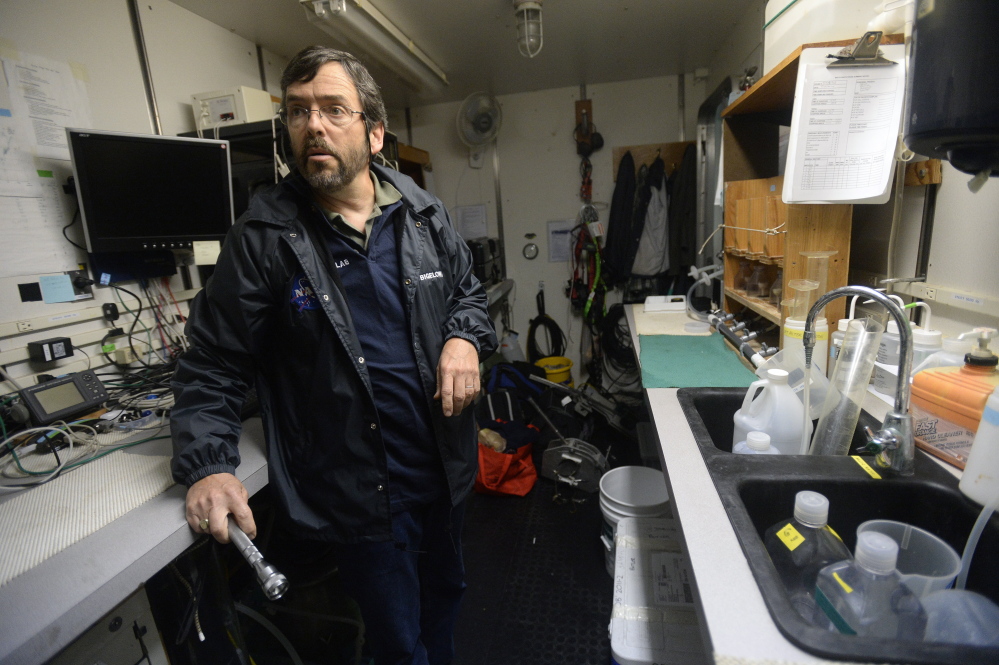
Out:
{"x": 619, "y": 354}
{"x": 140, "y": 402}
{"x": 554, "y": 338}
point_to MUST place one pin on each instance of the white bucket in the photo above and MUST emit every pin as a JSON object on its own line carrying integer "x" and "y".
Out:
{"x": 629, "y": 491}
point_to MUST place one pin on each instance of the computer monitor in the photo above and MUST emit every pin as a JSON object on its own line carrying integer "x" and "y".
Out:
{"x": 146, "y": 192}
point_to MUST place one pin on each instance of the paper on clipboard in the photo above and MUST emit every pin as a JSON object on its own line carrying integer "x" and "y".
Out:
{"x": 843, "y": 129}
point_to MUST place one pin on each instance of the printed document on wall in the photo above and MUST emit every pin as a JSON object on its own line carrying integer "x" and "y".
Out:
{"x": 844, "y": 129}
{"x": 46, "y": 97}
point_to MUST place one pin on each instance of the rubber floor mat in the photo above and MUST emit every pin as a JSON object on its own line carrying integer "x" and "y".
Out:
{"x": 538, "y": 590}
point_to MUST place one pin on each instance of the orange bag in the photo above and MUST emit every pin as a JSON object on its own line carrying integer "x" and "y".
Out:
{"x": 505, "y": 473}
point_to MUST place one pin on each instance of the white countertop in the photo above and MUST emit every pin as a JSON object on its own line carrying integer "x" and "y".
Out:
{"x": 731, "y": 608}
{"x": 46, "y": 608}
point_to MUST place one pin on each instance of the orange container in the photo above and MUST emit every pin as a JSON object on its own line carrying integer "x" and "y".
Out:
{"x": 956, "y": 394}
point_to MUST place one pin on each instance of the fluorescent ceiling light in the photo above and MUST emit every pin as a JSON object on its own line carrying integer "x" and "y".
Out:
{"x": 363, "y": 26}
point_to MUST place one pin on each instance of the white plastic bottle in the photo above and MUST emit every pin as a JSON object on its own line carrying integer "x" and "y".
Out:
{"x": 866, "y": 596}
{"x": 890, "y": 345}
{"x": 836, "y": 343}
{"x": 756, "y": 443}
{"x": 776, "y": 410}
{"x": 980, "y": 481}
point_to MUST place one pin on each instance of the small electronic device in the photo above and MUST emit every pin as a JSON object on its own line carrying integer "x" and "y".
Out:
{"x": 231, "y": 106}
{"x": 65, "y": 397}
{"x": 47, "y": 350}
{"x": 145, "y": 192}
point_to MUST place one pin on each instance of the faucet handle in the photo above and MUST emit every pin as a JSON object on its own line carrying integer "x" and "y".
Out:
{"x": 885, "y": 439}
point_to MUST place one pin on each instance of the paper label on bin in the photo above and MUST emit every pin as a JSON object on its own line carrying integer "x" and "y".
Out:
{"x": 790, "y": 536}
{"x": 672, "y": 580}
{"x": 794, "y": 333}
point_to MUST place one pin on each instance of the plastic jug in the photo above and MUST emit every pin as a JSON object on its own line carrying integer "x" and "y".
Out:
{"x": 800, "y": 547}
{"x": 866, "y": 596}
{"x": 952, "y": 353}
{"x": 980, "y": 481}
{"x": 771, "y": 406}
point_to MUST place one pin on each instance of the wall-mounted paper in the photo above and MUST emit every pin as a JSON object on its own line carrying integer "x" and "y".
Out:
{"x": 844, "y": 129}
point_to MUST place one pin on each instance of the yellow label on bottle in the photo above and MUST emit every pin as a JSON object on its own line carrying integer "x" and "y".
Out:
{"x": 790, "y": 537}
{"x": 846, "y": 587}
{"x": 793, "y": 333}
{"x": 866, "y": 467}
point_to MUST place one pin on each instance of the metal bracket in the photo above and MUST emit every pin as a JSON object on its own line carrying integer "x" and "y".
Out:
{"x": 864, "y": 52}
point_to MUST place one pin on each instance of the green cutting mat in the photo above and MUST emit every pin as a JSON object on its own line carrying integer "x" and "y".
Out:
{"x": 689, "y": 361}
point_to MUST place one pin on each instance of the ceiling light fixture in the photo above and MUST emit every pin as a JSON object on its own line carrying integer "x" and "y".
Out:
{"x": 530, "y": 37}
{"x": 364, "y": 27}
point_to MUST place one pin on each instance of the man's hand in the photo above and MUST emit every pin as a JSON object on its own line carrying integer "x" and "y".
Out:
{"x": 457, "y": 375}
{"x": 214, "y": 498}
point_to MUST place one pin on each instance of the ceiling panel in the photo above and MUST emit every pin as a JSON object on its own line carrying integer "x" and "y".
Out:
{"x": 474, "y": 41}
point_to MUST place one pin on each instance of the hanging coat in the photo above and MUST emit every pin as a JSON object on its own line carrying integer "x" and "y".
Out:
{"x": 683, "y": 214}
{"x": 652, "y": 254}
{"x": 619, "y": 234}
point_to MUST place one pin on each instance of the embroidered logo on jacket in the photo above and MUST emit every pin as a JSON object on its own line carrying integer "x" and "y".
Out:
{"x": 431, "y": 275}
{"x": 303, "y": 295}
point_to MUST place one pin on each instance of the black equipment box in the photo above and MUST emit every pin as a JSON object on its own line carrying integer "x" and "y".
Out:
{"x": 487, "y": 259}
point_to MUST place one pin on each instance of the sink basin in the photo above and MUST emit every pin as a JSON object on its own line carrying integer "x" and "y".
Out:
{"x": 758, "y": 491}
{"x": 713, "y": 427}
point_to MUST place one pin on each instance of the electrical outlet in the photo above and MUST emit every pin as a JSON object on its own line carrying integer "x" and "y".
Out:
{"x": 929, "y": 294}
{"x": 24, "y": 326}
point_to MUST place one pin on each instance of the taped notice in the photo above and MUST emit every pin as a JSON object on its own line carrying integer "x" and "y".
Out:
{"x": 671, "y": 579}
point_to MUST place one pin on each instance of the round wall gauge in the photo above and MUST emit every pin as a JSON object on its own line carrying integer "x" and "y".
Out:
{"x": 530, "y": 250}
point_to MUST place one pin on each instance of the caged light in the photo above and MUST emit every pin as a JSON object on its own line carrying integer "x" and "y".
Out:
{"x": 530, "y": 37}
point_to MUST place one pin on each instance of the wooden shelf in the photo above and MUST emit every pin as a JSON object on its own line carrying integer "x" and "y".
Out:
{"x": 758, "y": 305}
{"x": 774, "y": 93}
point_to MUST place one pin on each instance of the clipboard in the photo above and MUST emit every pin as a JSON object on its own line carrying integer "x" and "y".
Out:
{"x": 863, "y": 53}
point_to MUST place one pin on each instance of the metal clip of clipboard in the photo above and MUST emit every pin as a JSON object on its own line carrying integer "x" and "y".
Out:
{"x": 863, "y": 53}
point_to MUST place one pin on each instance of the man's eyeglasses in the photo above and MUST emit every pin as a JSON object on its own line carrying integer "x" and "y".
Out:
{"x": 334, "y": 114}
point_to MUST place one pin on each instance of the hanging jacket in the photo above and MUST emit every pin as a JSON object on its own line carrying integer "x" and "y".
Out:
{"x": 683, "y": 214}
{"x": 617, "y": 262}
{"x": 257, "y": 323}
{"x": 652, "y": 254}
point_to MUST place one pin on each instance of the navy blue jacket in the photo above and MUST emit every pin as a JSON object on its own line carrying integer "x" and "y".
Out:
{"x": 255, "y": 323}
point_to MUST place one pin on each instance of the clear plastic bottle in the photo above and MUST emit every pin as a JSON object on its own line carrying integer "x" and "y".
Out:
{"x": 951, "y": 354}
{"x": 866, "y": 596}
{"x": 802, "y": 546}
{"x": 756, "y": 443}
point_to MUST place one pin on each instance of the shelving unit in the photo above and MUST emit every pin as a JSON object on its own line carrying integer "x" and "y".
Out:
{"x": 753, "y": 203}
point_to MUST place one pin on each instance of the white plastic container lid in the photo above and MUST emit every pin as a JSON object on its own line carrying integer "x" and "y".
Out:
{"x": 811, "y": 508}
{"x": 777, "y": 375}
{"x": 932, "y": 338}
{"x": 876, "y": 552}
{"x": 891, "y": 328}
{"x": 758, "y": 440}
{"x": 843, "y": 324}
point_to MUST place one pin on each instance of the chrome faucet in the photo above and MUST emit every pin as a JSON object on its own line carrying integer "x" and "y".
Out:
{"x": 894, "y": 443}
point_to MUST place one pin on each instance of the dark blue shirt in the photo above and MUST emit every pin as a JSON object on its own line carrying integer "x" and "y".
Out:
{"x": 374, "y": 292}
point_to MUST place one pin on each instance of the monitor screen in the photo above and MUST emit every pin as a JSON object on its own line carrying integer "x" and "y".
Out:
{"x": 141, "y": 191}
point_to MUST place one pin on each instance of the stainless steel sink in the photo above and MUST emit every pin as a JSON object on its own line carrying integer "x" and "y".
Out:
{"x": 757, "y": 491}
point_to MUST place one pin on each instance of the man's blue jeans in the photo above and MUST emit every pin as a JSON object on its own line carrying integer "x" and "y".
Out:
{"x": 409, "y": 590}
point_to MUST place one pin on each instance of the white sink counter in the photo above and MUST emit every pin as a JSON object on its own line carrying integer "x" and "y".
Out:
{"x": 731, "y": 609}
